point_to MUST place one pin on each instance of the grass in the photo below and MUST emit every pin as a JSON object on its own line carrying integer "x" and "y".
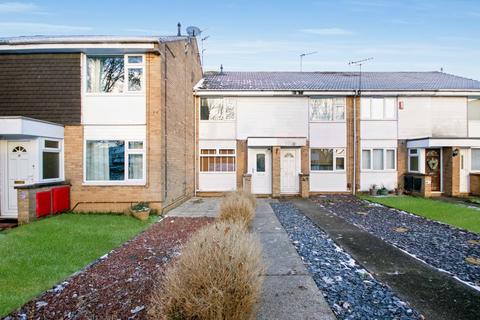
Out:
{"x": 450, "y": 213}
{"x": 35, "y": 257}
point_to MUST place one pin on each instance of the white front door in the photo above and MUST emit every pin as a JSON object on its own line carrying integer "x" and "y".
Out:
{"x": 464, "y": 170}
{"x": 19, "y": 172}
{"x": 260, "y": 166}
{"x": 289, "y": 171}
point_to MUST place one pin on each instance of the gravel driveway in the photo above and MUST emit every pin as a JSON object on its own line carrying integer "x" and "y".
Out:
{"x": 442, "y": 246}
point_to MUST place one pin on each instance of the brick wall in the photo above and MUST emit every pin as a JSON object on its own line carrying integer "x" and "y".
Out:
{"x": 182, "y": 72}
{"x": 41, "y": 86}
{"x": 402, "y": 164}
{"x": 242, "y": 161}
{"x": 276, "y": 171}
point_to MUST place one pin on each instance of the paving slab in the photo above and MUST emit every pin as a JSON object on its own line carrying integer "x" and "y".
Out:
{"x": 292, "y": 297}
{"x": 197, "y": 207}
{"x": 289, "y": 291}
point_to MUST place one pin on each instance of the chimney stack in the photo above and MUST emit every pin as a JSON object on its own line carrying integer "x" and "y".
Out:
{"x": 221, "y": 69}
{"x": 179, "y": 29}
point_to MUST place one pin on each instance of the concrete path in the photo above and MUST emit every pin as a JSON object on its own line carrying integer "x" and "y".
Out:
{"x": 434, "y": 294}
{"x": 289, "y": 291}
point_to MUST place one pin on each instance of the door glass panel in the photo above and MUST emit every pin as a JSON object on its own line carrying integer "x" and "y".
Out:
{"x": 260, "y": 162}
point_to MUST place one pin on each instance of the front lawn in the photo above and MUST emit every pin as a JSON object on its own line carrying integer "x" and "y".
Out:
{"x": 35, "y": 257}
{"x": 454, "y": 214}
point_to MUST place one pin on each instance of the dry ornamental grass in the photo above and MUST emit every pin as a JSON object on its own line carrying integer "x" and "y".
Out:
{"x": 217, "y": 277}
{"x": 237, "y": 208}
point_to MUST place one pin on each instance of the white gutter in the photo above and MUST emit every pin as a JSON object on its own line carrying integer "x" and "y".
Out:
{"x": 295, "y": 93}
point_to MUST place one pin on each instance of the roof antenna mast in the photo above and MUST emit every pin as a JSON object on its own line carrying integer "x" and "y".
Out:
{"x": 359, "y": 63}
{"x": 303, "y": 55}
{"x": 179, "y": 29}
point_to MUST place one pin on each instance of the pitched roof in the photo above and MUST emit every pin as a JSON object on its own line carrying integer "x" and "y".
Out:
{"x": 40, "y": 39}
{"x": 336, "y": 81}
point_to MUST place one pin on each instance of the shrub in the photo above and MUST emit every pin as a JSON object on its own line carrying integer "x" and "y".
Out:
{"x": 217, "y": 276}
{"x": 236, "y": 208}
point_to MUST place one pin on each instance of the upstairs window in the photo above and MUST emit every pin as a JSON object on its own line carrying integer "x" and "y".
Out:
{"x": 217, "y": 109}
{"x": 473, "y": 109}
{"x": 327, "y": 109}
{"x": 115, "y": 74}
{"x": 378, "y": 109}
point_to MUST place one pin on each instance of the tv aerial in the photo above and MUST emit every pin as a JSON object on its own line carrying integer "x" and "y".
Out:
{"x": 193, "y": 31}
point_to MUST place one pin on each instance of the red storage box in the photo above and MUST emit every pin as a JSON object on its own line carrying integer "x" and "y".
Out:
{"x": 61, "y": 199}
{"x": 43, "y": 203}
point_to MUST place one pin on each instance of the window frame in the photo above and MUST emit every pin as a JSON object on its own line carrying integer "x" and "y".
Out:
{"x": 215, "y": 155}
{"x": 224, "y": 99}
{"x": 126, "y": 67}
{"x": 58, "y": 150}
{"x": 334, "y": 110}
{"x": 127, "y": 151}
{"x": 383, "y": 118}
{"x": 384, "y": 152}
{"x": 334, "y": 164}
{"x": 413, "y": 155}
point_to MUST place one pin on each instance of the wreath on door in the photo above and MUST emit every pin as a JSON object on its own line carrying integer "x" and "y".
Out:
{"x": 433, "y": 163}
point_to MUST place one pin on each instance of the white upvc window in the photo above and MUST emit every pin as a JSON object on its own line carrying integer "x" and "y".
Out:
{"x": 413, "y": 160}
{"x": 217, "y": 109}
{"x": 115, "y": 162}
{"x": 51, "y": 160}
{"x": 327, "y": 159}
{"x": 115, "y": 74}
{"x": 327, "y": 109}
{"x": 217, "y": 160}
{"x": 475, "y": 163}
{"x": 379, "y": 159}
{"x": 378, "y": 109}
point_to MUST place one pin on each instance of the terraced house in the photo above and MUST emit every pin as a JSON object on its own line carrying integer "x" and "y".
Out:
{"x": 112, "y": 117}
{"x": 288, "y": 133}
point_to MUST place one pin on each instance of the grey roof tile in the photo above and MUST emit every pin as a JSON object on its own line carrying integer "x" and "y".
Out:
{"x": 414, "y": 81}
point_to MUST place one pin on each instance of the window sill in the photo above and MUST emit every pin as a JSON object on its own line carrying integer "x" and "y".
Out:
{"x": 112, "y": 183}
{"x": 327, "y": 171}
{"x": 91, "y": 94}
{"x": 379, "y": 171}
{"x": 219, "y": 172}
{"x": 327, "y": 121}
{"x": 217, "y": 121}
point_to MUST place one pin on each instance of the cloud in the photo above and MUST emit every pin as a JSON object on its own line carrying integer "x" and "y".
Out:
{"x": 18, "y": 7}
{"x": 28, "y": 28}
{"x": 328, "y": 31}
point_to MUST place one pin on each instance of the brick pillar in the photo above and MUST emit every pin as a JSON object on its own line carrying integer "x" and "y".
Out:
{"x": 305, "y": 159}
{"x": 426, "y": 187}
{"x": 275, "y": 171}
{"x": 402, "y": 165}
{"x": 242, "y": 161}
{"x": 247, "y": 182}
{"x": 451, "y": 171}
{"x": 304, "y": 185}
{"x": 351, "y": 143}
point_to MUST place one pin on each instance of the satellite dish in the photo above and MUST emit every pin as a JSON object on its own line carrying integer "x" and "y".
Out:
{"x": 193, "y": 31}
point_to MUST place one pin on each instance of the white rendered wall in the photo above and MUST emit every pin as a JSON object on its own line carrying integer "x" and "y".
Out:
{"x": 328, "y": 181}
{"x": 272, "y": 117}
{"x": 114, "y": 109}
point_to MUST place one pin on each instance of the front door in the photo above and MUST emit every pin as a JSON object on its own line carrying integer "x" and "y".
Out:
{"x": 19, "y": 172}
{"x": 432, "y": 167}
{"x": 289, "y": 177}
{"x": 464, "y": 170}
{"x": 260, "y": 166}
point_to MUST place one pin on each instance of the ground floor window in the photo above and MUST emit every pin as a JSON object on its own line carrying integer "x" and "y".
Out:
{"x": 378, "y": 159}
{"x": 413, "y": 160}
{"x": 327, "y": 159}
{"x": 475, "y": 159}
{"x": 114, "y": 160}
{"x": 217, "y": 160}
{"x": 51, "y": 159}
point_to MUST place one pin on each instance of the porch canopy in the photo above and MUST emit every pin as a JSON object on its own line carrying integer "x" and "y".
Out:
{"x": 276, "y": 141}
{"x": 443, "y": 142}
{"x": 22, "y": 127}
